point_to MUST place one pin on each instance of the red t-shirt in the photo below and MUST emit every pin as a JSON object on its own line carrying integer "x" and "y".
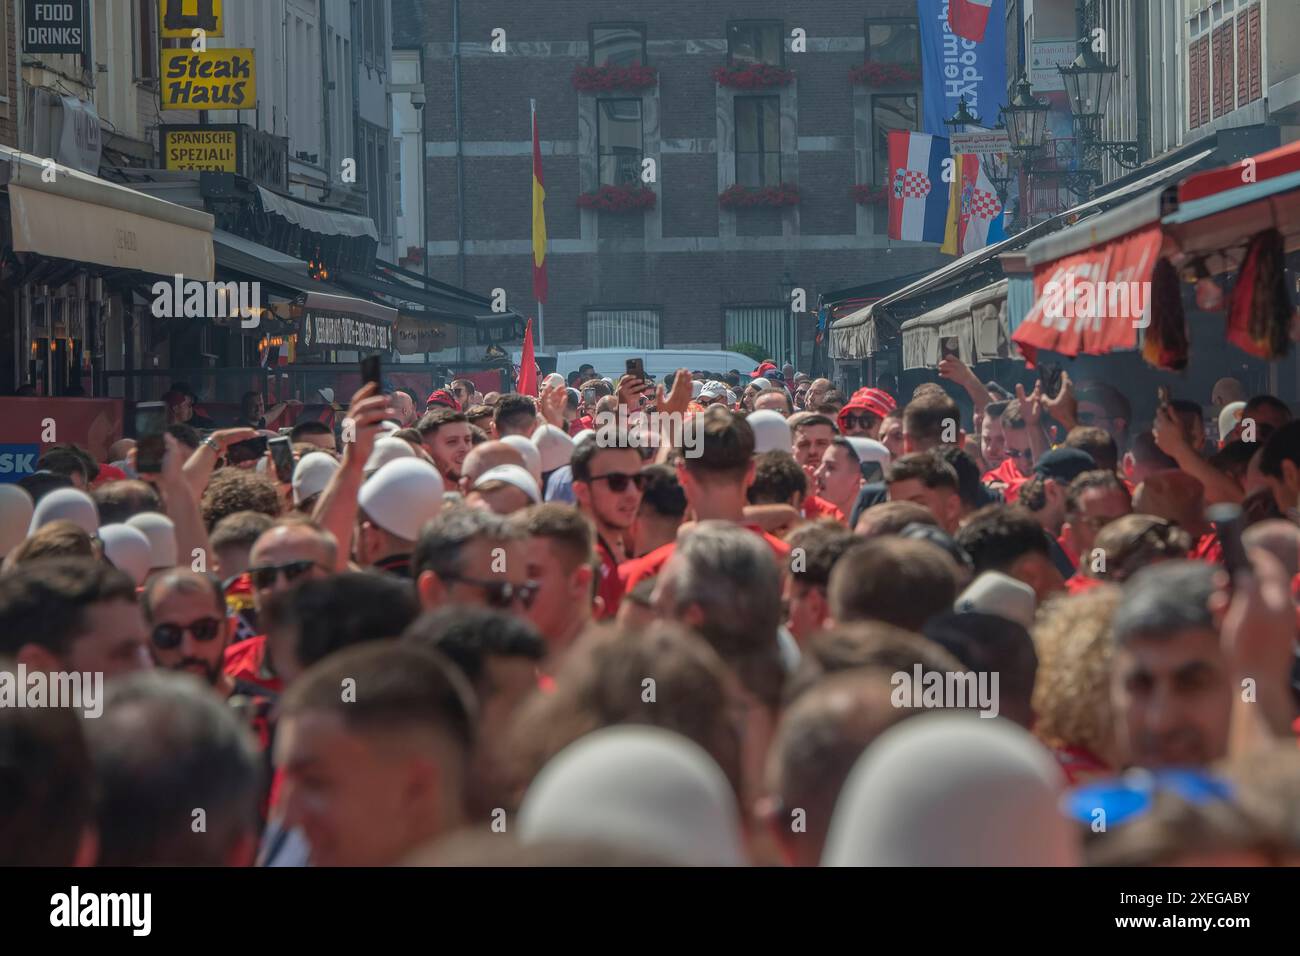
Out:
{"x": 815, "y": 507}
{"x": 609, "y": 587}
{"x": 1208, "y": 549}
{"x": 246, "y": 660}
{"x": 632, "y": 572}
{"x": 1077, "y": 584}
{"x": 1065, "y": 540}
{"x": 1006, "y": 474}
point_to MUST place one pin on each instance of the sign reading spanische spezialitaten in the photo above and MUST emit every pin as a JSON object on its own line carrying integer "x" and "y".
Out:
{"x": 211, "y": 80}
{"x": 331, "y": 330}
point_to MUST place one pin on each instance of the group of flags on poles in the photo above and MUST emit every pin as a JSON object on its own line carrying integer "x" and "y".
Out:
{"x": 937, "y": 197}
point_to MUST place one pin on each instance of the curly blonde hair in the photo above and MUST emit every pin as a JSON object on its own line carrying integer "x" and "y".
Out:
{"x": 1072, "y": 690}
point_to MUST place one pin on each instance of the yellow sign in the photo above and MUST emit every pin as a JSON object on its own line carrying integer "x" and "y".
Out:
{"x": 215, "y": 80}
{"x": 210, "y": 150}
{"x": 179, "y": 18}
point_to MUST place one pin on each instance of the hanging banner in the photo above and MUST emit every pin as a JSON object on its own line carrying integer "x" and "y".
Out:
{"x": 413, "y": 336}
{"x": 1092, "y": 302}
{"x": 177, "y": 19}
{"x": 954, "y": 67}
{"x": 212, "y": 80}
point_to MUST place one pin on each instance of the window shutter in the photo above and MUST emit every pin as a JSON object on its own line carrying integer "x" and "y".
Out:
{"x": 1196, "y": 67}
{"x": 1223, "y": 70}
{"x": 1256, "y": 71}
{"x": 1243, "y": 60}
{"x": 1204, "y": 92}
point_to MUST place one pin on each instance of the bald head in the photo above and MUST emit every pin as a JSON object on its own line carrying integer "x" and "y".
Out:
{"x": 1226, "y": 391}
{"x": 1175, "y": 496}
{"x": 291, "y": 544}
{"x": 485, "y": 456}
{"x": 1280, "y": 538}
{"x": 819, "y": 738}
{"x": 120, "y": 448}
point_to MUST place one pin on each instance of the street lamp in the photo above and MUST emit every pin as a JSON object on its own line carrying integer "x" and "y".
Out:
{"x": 1088, "y": 82}
{"x": 962, "y": 118}
{"x": 1025, "y": 118}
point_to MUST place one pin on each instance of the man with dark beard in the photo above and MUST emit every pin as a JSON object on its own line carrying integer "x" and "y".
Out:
{"x": 188, "y": 631}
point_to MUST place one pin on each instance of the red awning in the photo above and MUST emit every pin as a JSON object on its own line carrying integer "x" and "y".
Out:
{"x": 1275, "y": 162}
{"x": 1093, "y": 301}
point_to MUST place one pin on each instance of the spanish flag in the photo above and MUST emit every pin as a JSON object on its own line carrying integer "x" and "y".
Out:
{"x": 539, "y": 216}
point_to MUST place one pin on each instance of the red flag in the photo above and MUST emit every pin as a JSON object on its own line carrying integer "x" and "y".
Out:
{"x": 969, "y": 18}
{"x": 527, "y": 384}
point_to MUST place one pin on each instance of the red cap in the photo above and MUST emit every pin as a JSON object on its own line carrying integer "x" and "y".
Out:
{"x": 765, "y": 367}
{"x": 443, "y": 397}
{"x": 874, "y": 400}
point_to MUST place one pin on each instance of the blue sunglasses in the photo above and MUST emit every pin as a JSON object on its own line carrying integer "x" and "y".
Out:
{"x": 1124, "y": 798}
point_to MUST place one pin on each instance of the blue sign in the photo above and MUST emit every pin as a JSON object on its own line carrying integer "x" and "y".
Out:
{"x": 953, "y": 67}
{"x": 17, "y": 462}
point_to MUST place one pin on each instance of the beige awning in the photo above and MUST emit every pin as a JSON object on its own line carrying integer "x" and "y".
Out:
{"x": 978, "y": 321}
{"x": 57, "y": 211}
{"x": 854, "y": 336}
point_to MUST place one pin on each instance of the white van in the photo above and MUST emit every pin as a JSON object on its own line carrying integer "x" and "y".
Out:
{"x": 611, "y": 363}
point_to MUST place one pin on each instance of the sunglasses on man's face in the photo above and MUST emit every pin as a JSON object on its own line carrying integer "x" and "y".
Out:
{"x": 265, "y": 577}
{"x": 860, "y": 421}
{"x": 500, "y": 594}
{"x": 167, "y": 637}
{"x": 1026, "y": 454}
{"x": 618, "y": 481}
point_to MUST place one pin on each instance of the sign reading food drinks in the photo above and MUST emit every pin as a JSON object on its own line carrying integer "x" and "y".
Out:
{"x": 180, "y": 18}
{"x": 209, "y": 150}
{"x": 53, "y": 27}
{"x": 211, "y": 80}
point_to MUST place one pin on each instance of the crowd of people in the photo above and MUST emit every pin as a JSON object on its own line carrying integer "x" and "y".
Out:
{"x": 863, "y": 629}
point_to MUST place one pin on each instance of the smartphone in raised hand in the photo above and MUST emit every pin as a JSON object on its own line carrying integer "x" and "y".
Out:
{"x": 150, "y": 424}
{"x": 282, "y": 457}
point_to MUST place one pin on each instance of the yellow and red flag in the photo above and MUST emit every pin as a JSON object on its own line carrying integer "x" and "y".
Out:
{"x": 539, "y": 217}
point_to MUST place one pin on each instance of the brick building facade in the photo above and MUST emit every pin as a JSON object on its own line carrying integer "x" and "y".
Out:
{"x": 687, "y": 273}
{"x": 8, "y": 78}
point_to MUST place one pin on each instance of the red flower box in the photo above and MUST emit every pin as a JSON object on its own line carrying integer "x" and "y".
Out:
{"x": 745, "y": 197}
{"x": 602, "y": 79}
{"x": 623, "y": 198}
{"x": 886, "y": 74}
{"x": 752, "y": 76}
{"x": 865, "y": 194}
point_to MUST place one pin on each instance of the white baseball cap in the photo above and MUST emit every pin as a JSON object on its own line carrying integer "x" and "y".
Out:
{"x": 1229, "y": 417}
{"x": 16, "y": 509}
{"x": 127, "y": 549}
{"x": 388, "y": 449}
{"x": 161, "y": 532}
{"x": 512, "y": 475}
{"x": 771, "y": 431}
{"x": 869, "y": 450}
{"x": 66, "y": 504}
{"x": 312, "y": 473}
{"x": 554, "y": 380}
{"x": 711, "y": 390}
{"x": 996, "y": 593}
{"x": 532, "y": 457}
{"x": 697, "y": 388}
{"x": 326, "y": 393}
{"x": 762, "y": 384}
{"x": 640, "y": 788}
{"x": 402, "y": 496}
{"x": 554, "y": 447}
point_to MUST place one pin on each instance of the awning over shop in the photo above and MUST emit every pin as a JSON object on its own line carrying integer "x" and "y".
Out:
{"x": 327, "y": 222}
{"x": 438, "y": 302}
{"x": 86, "y": 219}
{"x": 1217, "y": 227}
{"x": 285, "y": 274}
{"x": 1269, "y": 165}
{"x": 978, "y": 321}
